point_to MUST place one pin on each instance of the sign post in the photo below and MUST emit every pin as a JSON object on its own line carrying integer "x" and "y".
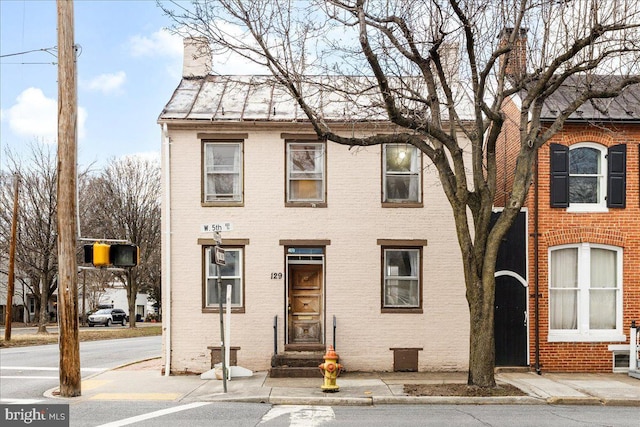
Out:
{"x": 218, "y": 239}
{"x": 218, "y": 257}
{"x": 227, "y": 332}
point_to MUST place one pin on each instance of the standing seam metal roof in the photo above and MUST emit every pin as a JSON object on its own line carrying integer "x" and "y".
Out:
{"x": 261, "y": 98}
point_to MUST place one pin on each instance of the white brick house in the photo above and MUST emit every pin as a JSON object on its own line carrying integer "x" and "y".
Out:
{"x": 320, "y": 232}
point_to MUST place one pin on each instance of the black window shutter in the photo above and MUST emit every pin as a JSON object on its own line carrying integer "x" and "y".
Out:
{"x": 617, "y": 176}
{"x": 559, "y": 158}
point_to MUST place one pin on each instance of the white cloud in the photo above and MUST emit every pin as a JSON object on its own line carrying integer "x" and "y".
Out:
{"x": 107, "y": 83}
{"x": 160, "y": 43}
{"x": 35, "y": 115}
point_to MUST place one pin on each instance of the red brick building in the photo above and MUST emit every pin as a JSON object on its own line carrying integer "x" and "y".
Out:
{"x": 582, "y": 233}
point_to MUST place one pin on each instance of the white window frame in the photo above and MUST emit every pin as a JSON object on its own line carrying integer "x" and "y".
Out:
{"x": 209, "y": 195}
{"x": 388, "y": 278}
{"x": 211, "y": 274}
{"x": 387, "y": 173}
{"x": 583, "y": 333}
{"x": 601, "y": 204}
{"x": 320, "y": 166}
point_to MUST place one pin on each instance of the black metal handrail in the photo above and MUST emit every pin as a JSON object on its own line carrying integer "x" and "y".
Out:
{"x": 334, "y": 331}
{"x": 275, "y": 334}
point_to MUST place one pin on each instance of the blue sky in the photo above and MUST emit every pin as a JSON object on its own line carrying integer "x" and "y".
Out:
{"x": 127, "y": 70}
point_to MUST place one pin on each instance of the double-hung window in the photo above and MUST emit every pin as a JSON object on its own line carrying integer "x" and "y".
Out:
{"x": 588, "y": 177}
{"x": 232, "y": 273}
{"x": 222, "y": 172}
{"x": 401, "y": 278}
{"x": 585, "y": 293}
{"x": 305, "y": 173}
{"x": 402, "y": 177}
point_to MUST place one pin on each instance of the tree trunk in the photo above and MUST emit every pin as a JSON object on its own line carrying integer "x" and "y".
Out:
{"x": 479, "y": 258}
{"x": 43, "y": 312}
{"x": 132, "y": 292}
{"x": 481, "y": 339}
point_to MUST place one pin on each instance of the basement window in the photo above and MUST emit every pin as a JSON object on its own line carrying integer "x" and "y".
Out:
{"x": 621, "y": 361}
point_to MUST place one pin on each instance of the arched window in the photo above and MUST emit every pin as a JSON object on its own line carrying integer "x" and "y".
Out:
{"x": 587, "y": 170}
{"x": 588, "y": 176}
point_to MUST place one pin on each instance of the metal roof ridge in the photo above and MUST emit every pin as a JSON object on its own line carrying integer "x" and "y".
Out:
{"x": 195, "y": 98}
{"x": 224, "y": 90}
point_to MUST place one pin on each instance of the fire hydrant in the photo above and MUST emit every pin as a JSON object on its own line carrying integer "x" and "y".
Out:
{"x": 330, "y": 369}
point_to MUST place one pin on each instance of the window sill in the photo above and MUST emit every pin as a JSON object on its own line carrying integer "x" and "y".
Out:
{"x": 216, "y": 310}
{"x": 402, "y": 310}
{"x": 305, "y": 204}
{"x": 221, "y": 204}
{"x": 587, "y": 209}
{"x": 402, "y": 205}
{"x": 612, "y": 336}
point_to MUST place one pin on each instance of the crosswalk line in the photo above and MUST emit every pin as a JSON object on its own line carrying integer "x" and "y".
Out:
{"x": 11, "y": 401}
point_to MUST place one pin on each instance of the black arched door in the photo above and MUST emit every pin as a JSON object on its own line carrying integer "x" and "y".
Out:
{"x": 510, "y": 324}
{"x": 510, "y": 316}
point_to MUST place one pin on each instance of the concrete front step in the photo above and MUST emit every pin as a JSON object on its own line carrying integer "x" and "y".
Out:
{"x": 296, "y": 364}
{"x": 298, "y": 359}
{"x": 505, "y": 369}
{"x": 294, "y": 372}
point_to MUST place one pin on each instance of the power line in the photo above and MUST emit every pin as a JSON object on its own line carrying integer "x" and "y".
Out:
{"x": 29, "y": 63}
{"x": 47, "y": 50}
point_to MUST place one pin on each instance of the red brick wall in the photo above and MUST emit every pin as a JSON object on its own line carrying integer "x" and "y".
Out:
{"x": 507, "y": 148}
{"x": 617, "y": 227}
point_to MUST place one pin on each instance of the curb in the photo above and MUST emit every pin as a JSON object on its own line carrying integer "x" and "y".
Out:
{"x": 453, "y": 400}
{"x": 391, "y": 400}
{"x": 573, "y": 400}
{"x": 621, "y": 402}
{"x": 326, "y": 401}
{"x": 50, "y": 393}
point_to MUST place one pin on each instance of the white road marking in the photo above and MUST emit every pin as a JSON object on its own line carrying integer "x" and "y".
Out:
{"x": 301, "y": 416}
{"x": 154, "y": 414}
{"x": 30, "y": 377}
{"x": 39, "y": 368}
{"x": 20, "y": 401}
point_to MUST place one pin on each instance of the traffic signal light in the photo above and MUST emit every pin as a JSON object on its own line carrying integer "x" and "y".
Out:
{"x": 118, "y": 255}
{"x": 124, "y": 255}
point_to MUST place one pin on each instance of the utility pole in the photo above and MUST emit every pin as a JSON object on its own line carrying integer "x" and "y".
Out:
{"x": 70, "y": 381}
{"x": 12, "y": 261}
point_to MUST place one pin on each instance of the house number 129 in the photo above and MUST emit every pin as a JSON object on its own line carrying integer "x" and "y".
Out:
{"x": 276, "y": 276}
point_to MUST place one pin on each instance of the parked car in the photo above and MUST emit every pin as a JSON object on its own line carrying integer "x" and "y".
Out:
{"x": 107, "y": 316}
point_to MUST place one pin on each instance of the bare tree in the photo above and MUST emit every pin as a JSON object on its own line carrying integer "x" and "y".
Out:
{"x": 36, "y": 248}
{"x": 438, "y": 71}
{"x": 123, "y": 202}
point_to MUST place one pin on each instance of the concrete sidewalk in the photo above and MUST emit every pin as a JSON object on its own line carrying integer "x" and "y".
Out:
{"x": 144, "y": 381}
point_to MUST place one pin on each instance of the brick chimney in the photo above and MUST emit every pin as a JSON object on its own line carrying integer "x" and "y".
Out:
{"x": 517, "y": 57}
{"x": 197, "y": 60}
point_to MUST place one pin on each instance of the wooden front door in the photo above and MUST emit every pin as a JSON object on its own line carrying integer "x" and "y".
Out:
{"x": 305, "y": 303}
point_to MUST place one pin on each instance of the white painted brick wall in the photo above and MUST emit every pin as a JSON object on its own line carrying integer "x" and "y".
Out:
{"x": 353, "y": 221}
